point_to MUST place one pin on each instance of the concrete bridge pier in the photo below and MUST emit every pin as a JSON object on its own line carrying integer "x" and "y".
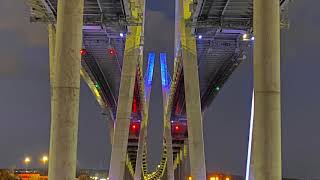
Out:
{"x": 122, "y": 123}
{"x": 192, "y": 90}
{"x": 65, "y": 44}
{"x": 267, "y": 113}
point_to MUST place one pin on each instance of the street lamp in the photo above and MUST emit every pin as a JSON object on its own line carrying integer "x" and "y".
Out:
{"x": 44, "y": 159}
{"x": 27, "y": 160}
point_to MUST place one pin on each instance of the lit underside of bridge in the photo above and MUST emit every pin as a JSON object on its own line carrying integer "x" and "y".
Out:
{"x": 214, "y": 33}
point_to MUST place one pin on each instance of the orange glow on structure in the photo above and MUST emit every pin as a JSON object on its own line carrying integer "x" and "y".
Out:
{"x": 218, "y": 176}
{"x": 32, "y": 176}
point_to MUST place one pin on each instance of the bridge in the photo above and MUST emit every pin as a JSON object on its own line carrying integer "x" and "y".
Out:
{"x": 104, "y": 41}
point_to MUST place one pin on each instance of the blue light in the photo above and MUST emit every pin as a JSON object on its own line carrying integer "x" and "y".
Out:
{"x": 164, "y": 71}
{"x": 200, "y": 37}
{"x": 121, "y": 34}
{"x": 149, "y": 74}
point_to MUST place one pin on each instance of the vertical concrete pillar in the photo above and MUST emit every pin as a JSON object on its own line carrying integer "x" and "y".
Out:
{"x": 121, "y": 131}
{"x": 267, "y": 113}
{"x": 65, "y": 90}
{"x": 193, "y": 107}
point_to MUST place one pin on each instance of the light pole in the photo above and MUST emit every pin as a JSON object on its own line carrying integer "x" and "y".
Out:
{"x": 44, "y": 160}
{"x": 27, "y": 160}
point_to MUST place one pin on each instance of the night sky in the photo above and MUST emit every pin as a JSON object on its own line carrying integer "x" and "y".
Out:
{"x": 25, "y": 96}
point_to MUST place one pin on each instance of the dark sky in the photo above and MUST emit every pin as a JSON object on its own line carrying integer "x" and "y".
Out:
{"x": 25, "y": 96}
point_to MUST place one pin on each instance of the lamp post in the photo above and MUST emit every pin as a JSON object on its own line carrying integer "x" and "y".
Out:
{"x": 44, "y": 160}
{"x": 27, "y": 160}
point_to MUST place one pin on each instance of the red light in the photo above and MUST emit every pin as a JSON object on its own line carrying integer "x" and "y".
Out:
{"x": 112, "y": 52}
{"x": 83, "y": 52}
{"x": 134, "y": 105}
{"x": 177, "y": 128}
{"x": 134, "y": 128}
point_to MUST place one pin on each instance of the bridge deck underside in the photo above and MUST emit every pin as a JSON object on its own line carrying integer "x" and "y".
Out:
{"x": 231, "y": 14}
{"x": 218, "y": 56}
{"x": 104, "y": 61}
{"x": 108, "y": 13}
{"x": 221, "y": 24}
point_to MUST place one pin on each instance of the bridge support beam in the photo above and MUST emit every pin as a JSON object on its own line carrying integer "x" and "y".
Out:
{"x": 192, "y": 91}
{"x": 193, "y": 107}
{"x": 121, "y": 131}
{"x": 267, "y": 113}
{"x": 65, "y": 86}
{"x": 144, "y": 123}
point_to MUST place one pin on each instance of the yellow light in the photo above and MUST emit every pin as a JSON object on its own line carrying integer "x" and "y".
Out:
{"x": 44, "y": 159}
{"x": 212, "y": 178}
{"x": 27, "y": 160}
{"x": 244, "y": 36}
{"x": 189, "y": 178}
{"x": 227, "y": 178}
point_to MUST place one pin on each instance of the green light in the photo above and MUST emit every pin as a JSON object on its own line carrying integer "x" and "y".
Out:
{"x": 217, "y": 88}
{"x": 97, "y": 86}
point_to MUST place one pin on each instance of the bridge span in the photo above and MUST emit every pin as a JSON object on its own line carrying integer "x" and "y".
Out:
{"x": 103, "y": 40}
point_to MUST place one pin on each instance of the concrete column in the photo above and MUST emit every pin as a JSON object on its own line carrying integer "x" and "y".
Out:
{"x": 121, "y": 131}
{"x": 192, "y": 92}
{"x": 65, "y": 90}
{"x": 267, "y": 113}
{"x": 193, "y": 107}
{"x": 51, "y": 45}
